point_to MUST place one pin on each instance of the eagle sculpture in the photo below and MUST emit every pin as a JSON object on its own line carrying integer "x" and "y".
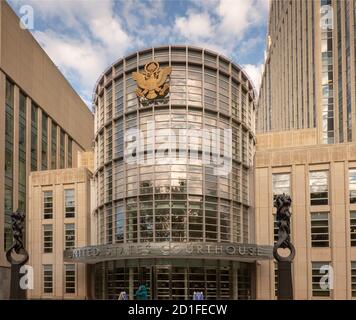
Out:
{"x": 152, "y": 82}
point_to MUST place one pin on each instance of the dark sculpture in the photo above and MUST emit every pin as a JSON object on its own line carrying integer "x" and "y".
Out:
{"x": 18, "y": 225}
{"x": 285, "y": 287}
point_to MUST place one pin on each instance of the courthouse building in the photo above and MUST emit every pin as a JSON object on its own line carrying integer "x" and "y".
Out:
{"x": 155, "y": 206}
{"x": 173, "y": 223}
{"x": 306, "y": 143}
{"x": 43, "y": 122}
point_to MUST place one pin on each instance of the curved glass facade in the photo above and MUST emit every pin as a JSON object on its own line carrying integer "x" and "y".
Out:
{"x": 163, "y": 197}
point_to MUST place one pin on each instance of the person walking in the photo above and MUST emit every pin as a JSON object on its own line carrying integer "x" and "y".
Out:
{"x": 141, "y": 293}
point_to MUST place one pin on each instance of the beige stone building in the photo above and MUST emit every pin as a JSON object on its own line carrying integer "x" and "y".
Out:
{"x": 305, "y": 146}
{"x": 321, "y": 180}
{"x": 59, "y": 219}
{"x": 43, "y": 122}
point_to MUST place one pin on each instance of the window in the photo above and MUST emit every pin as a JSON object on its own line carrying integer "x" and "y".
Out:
{"x": 320, "y": 229}
{"x": 119, "y": 222}
{"x": 69, "y": 203}
{"x": 317, "y": 274}
{"x": 352, "y": 185}
{"x": 44, "y": 144}
{"x": 353, "y": 228}
{"x": 69, "y": 284}
{"x": 9, "y": 148}
{"x": 280, "y": 184}
{"x": 69, "y": 236}
{"x": 62, "y": 150}
{"x": 318, "y": 182}
{"x": 22, "y": 153}
{"x": 47, "y": 205}
{"x": 47, "y": 238}
{"x": 353, "y": 278}
{"x": 70, "y": 152}
{"x": 47, "y": 278}
{"x": 54, "y": 146}
{"x": 34, "y": 111}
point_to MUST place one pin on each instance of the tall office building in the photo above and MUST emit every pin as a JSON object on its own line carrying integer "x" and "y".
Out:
{"x": 43, "y": 122}
{"x": 309, "y": 77}
{"x": 306, "y": 144}
{"x": 165, "y": 216}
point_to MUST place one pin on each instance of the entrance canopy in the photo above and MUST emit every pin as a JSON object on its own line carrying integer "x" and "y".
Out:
{"x": 190, "y": 250}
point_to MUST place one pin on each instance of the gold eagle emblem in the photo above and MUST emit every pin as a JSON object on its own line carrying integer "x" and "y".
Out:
{"x": 152, "y": 82}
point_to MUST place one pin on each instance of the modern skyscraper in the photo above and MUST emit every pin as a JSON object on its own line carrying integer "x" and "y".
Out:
{"x": 43, "y": 122}
{"x": 309, "y": 77}
{"x": 306, "y": 144}
{"x": 166, "y": 216}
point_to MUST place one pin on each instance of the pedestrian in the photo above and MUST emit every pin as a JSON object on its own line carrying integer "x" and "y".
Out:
{"x": 141, "y": 293}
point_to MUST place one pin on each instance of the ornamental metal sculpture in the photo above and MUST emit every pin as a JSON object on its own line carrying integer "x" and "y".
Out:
{"x": 285, "y": 286}
{"x": 153, "y": 81}
{"x": 18, "y": 226}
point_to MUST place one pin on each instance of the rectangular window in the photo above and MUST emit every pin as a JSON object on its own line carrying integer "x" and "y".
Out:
{"x": 47, "y": 278}
{"x": 9, "y": 148}
{"x": 69, "y": 284}
{"x": 352, "y": 185}
{"x": 70, "y": 152}
{"x": 280, "y": 184}
{"x": 34, "y": 111}
{"x": 353, "y": 228}
{"x": 318, "y": 182}
{"x": 320, "y": 229}
{"x": 318, "y": 271}
{"x": 54, "y": 146}
{"x": 69, "y": 203}
{"x": 353, "y": 278}
{"x": 44, "y": 144}
{"x": 47, "y": 238}
{"x": 69, "y": 236}
{"x": 47, "y": 205}
{"x": 119, "y": 222}
{"x": 62, "y": 150}
{"x": 22, "y": 152}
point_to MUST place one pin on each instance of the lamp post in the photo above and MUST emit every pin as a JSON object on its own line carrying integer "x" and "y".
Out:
{"x": 285, "y": 285}
{"x": 18, "y": 224}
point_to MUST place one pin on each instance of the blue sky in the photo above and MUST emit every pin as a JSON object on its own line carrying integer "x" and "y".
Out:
{"x": 83, "y": 37}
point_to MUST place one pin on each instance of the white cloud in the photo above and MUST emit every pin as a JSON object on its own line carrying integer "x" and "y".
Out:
{"x": 78, "y": 58}
{"x": 84, "y": 37}
{"x": 238, "y": 16}
{"x": 222, "y": 24}
{"x": 194, "y": 26}
{"x": 254, "y": 72}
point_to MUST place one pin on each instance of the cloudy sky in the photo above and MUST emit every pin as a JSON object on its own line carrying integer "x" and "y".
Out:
{"x": 83, "y": 37}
